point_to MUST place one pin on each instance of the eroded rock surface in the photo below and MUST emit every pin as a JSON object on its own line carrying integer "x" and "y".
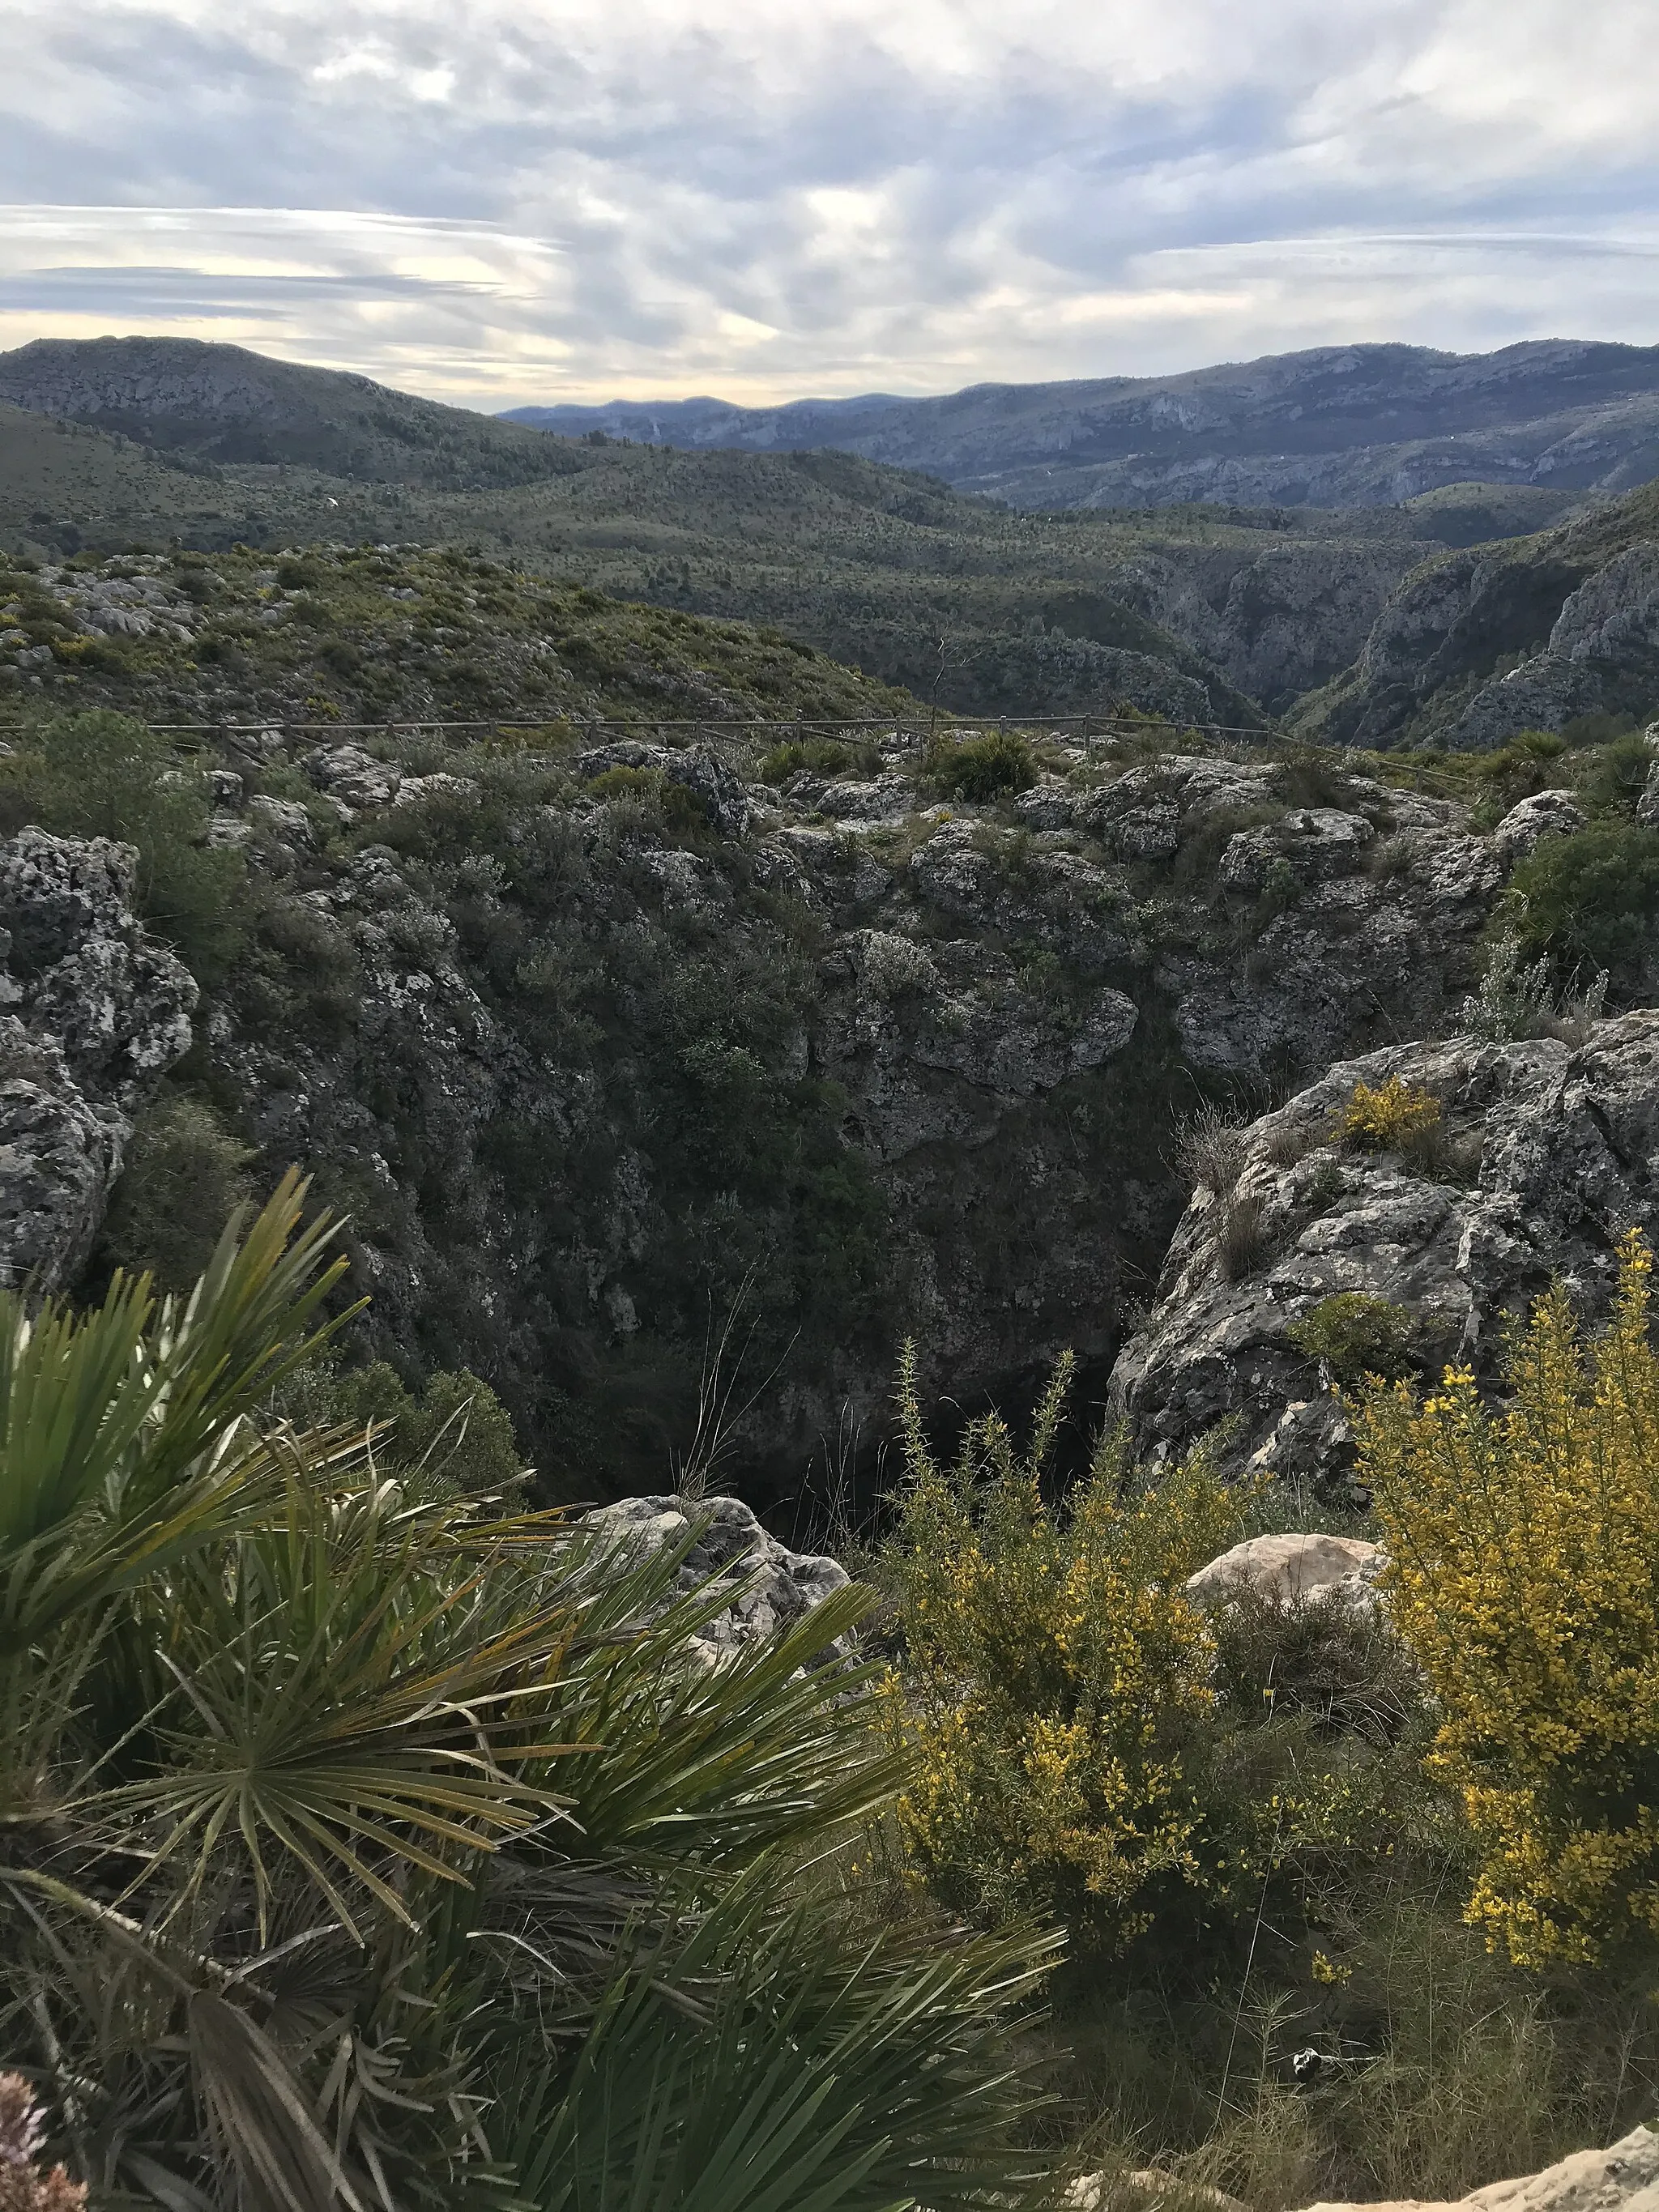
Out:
{"x": 1548, "y": 1154}
{"x": 95, "y": 1013}
{"x": 1622, "y": 2178}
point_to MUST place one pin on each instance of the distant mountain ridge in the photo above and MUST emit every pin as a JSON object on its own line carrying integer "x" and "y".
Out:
{"x": 1336, "y": 426}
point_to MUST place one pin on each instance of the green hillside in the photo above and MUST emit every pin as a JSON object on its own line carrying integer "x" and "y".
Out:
{"x": 404, "y": 634}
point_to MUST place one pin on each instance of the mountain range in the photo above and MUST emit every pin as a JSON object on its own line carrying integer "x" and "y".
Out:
{"x": 1457, "y": 617}
{"x": 1337, "y": 426}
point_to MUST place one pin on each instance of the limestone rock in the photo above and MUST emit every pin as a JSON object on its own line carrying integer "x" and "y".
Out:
{"x": 1286, "y": 1568}
{"x": 1150, "y": 811}
{"x": 1549, "y": 1154}
{"x": 1623, "y": 2179}
{"x": 354, "y": 778}
{"x": 1524, "y": 828}
{"x": 97, "y": 1013}
{"x": 1313, "y": 843}
{"x": 771, "y": 1587}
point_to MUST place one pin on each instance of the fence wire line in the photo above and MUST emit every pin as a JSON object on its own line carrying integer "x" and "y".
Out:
{"x": 1088, "y": 724}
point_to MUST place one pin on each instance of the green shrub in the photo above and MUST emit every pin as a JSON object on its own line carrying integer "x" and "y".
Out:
{"x": 821, "y": 756}
{"x": 457, "y": 1429}
{"x": 106, "y": 776}
{"x": 1526, "y": 1583}
{"x": 1613, "y": 776}
{"x": 1591, "y": 899}
{"x": 654, "y": 800}
{"x": 1056, "y": 1673}
{"x": 1354, "y": 1334}
{"x": 979, "y": 770}
{"x": 186, "y": 1174}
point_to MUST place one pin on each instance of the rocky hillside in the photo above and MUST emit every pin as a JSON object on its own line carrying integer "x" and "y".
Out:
{"x": 1338, "y": 426}
{"x": 1477, "y": 645}
{"x": 614, "y": 1049}
{"x": 392, "y": 633}
{"x": 988, "y": 611}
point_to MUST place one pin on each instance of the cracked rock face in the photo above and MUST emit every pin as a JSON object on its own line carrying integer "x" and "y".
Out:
{"x": 96, "y": 1014}
{"x": 1550, "y": 1154}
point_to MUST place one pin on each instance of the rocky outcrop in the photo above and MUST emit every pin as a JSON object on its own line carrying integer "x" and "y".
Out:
{"x": 1622, "y": 2178}
{"x": 1546, "y": 1155}
{"x": 95, "y": 1013}
{"x": 726, "y": 1551}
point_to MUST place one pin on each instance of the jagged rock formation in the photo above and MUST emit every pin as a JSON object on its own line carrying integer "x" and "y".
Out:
{"x": 771, "y": 1587}
{"x": 94, "y": 1015}
{"x": 1278, "y": 623}
{"x": 910, "y": 1067}
{"x": 1547, "y": 1152}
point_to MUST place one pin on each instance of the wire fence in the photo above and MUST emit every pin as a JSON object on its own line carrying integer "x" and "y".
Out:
{"x": 911, "y": 729}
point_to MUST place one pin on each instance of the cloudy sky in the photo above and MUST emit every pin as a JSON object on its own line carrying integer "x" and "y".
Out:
{"x": 497, "y": 201}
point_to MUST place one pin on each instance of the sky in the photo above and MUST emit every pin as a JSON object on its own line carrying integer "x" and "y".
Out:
{"x": 499, "y": 202}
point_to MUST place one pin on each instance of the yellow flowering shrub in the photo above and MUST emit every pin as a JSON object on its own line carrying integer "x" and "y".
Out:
{"x": 1055, "y": 1671}
{"x": 1394, "y": 1117}
{"x": 1525, "y": 1579}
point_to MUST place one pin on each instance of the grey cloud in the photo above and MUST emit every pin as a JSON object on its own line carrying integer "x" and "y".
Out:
{"x": 1025, "y": 214}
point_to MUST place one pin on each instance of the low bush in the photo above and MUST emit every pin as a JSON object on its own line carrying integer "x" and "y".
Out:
{"x": 1055, "y": 1672}
{"x": 1241, "y": 1234}
{"x": 1211, "y": 1149}
{"x": 819, "y": 757}
{"x": 647, "y": 798}
{"x": 1526, "y": 1581}
{"x": 185, "y": 1175}
{"x": 1396, "y": 1116}
{"x": 106, "y": 776}
{"x": 979, "y": 769}
{"x": 1592, "y": 899}
{"x": 1353, "y": 1334}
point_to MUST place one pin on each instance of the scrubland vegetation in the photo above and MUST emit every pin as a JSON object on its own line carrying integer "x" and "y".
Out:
{"x": 373, "y": 1840}
{"x": 374, "y": 1837}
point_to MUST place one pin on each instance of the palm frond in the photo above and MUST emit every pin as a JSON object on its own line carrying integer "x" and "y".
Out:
{"x": 744, "y": 2061}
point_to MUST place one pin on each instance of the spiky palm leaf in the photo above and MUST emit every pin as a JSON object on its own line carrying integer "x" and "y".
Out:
{"x": 356, "y": 1849}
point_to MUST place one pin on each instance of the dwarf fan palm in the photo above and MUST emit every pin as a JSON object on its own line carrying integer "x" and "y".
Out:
{"x": 357, "y": 1848}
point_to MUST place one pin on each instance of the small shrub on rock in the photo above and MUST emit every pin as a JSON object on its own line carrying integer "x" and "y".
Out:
{"x": 1212, "y": 1150}
{"x": 1353, "y": 1334}
{"x": 1592, "y": 899}
{"x": 1241, "y": 1236}
{"x": 1396, "y": 1116}
{"x": 185, "y": 1175}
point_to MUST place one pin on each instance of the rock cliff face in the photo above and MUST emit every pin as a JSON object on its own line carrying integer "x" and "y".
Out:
{"x": 1481, "y": 644}
{"x": 833, "y": 1064}
{"x": 1548, "y": 1152}
{"x": 94, "y": 1014}
{"x": 617, "y": 1055}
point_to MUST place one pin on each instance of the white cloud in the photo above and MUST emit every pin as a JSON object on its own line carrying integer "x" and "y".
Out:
{"x": 588, "y": 197}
